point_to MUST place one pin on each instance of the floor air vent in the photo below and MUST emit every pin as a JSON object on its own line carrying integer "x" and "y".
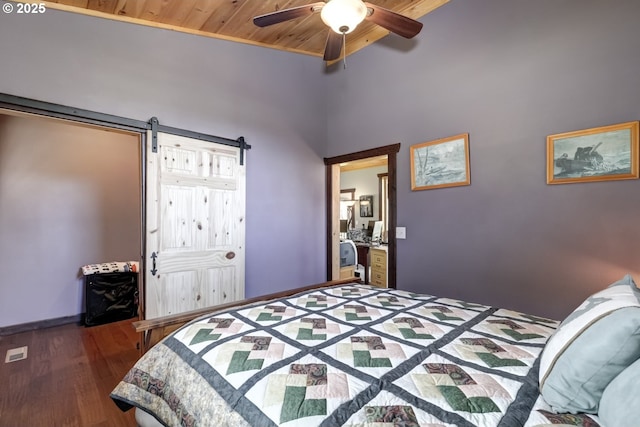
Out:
{"x": 16, "y": 354}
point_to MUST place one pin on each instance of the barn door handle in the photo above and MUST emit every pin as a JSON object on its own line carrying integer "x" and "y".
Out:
{"x": 153, "y": 268}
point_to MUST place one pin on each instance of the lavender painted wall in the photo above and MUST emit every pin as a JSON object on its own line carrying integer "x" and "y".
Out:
{"x": 508, "y": 72}
{"x": 274, "y": 99}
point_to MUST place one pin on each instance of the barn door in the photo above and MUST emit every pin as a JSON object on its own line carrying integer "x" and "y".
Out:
{"x": 195, "y": 228}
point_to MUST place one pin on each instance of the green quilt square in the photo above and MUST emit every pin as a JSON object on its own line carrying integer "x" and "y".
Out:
{"x": 307, "y": 334}
{"x": 240, "y": 362}
{"x": 204, "y": 335}
{"x": 363, "y": 359}
{"x": 295, "y": 406}
{"x": 444, "y": 317}
{"x": 354, "y": 316}
{"x": 520, "y": 337}
{"x": 410, "y": 334}
{"x": 268, "y": 317}
{"x": 494, "y": 362}
{"x": 459, "y": 402}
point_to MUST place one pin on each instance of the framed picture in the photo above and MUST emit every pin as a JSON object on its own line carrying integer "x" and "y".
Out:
{"x": 366, "y": 206}
{"x": 440, "y": 163}
{"x": 598, "y": 154}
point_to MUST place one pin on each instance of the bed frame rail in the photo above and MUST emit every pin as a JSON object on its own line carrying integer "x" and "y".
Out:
{"x": 154, "y": 330}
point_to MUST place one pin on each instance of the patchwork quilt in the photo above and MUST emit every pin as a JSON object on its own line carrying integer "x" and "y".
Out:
{"x": 350, "y": 355}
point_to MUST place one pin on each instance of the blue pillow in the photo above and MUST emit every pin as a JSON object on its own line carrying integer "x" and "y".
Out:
{"x": 591, "y": 347}
{"x": 620, "y": 403}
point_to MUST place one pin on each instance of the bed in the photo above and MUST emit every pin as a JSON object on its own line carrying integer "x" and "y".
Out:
{"x": 350, "y": 354}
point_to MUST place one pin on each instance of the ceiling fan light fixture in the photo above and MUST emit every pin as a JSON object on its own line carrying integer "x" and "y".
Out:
{"x": 343, "y": 16}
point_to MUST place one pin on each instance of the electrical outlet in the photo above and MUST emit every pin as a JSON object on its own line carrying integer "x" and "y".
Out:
{"x": 401, "y": 232}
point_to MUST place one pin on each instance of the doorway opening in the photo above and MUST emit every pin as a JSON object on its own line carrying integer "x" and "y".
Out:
{"x": 71, "y": 195}
{"x": 386, "y": 211}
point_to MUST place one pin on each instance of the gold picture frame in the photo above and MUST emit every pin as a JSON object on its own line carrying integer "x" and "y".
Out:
{"x": 440, "y": 163}
{"x": 599, "y": 154}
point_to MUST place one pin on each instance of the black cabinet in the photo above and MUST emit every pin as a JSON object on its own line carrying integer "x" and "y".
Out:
{"x": 110, "y": 297}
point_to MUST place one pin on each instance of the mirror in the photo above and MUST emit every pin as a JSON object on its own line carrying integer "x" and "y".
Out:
{"x": 347, "y": 202}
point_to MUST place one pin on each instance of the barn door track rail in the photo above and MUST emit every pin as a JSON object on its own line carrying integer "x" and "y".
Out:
{"x": 156, "y": 127}
{"x": 26, "y": 105}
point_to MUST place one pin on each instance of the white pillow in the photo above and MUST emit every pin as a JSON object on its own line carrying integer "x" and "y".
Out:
{"x": 591, "y": 347}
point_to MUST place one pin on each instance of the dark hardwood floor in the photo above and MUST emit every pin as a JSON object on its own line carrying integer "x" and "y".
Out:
{"x": 67, "y": 377}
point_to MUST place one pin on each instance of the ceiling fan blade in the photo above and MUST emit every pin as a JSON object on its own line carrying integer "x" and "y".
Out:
{"x": 287, "y": 14}
{"x": 333, "y": 47}
{"x": 392, "y": 21}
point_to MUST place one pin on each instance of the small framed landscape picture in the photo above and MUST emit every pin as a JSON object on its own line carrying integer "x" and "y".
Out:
{"x": 440, "y": 163}
{"x": 598, "y": 154}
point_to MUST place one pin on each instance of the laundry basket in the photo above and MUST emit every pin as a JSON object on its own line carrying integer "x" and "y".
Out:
{"x": 111, "y": 292}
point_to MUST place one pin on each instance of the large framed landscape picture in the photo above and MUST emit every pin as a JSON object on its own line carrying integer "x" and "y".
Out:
{"x": 597, "y": 154}
{"x": 440, "y": 163}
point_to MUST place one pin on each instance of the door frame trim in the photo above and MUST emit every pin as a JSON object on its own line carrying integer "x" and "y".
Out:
{"x": 392, "y": 161}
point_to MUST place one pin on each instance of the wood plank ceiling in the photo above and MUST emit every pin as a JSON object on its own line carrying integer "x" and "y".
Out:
{"x": 232, "y": 20}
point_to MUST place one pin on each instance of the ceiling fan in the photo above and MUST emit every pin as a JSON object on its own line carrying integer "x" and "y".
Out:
{"x": 343, "y": 16}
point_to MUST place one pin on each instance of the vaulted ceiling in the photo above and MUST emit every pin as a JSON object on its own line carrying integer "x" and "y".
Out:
{"x": 233, "y": 20}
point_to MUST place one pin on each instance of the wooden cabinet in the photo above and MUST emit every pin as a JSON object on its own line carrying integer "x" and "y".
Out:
{"x": 347, "y": 272}
{"x": 378, "y": 258}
